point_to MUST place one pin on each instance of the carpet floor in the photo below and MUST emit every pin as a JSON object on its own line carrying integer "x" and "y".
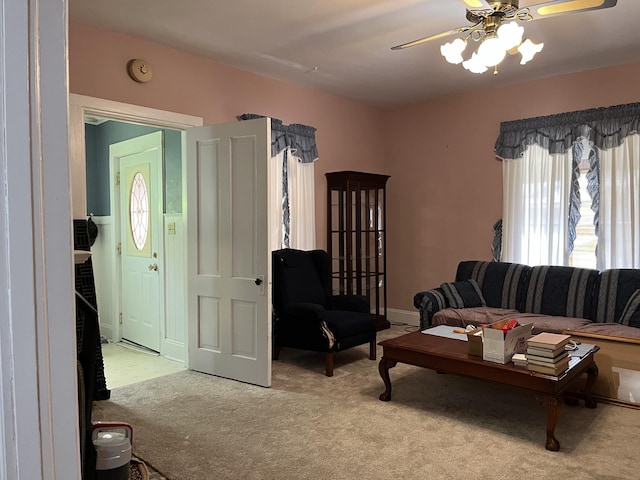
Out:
{"x": 191, "y": 426}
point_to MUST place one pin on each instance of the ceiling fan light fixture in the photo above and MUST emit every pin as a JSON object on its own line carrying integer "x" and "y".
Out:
{"x": 495, "y": 38}
{"x": 452, "y": 51}
{"x": 528, "y": 49}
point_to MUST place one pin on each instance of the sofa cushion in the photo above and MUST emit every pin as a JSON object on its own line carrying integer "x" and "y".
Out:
{"x": 616, "y": 287}
{"x": 631, "y": 313}
{"x": 463, "y": 294}
{"x": 552, "y": 323}
{"x": 461, "y": 317}
{"x": 561, "y": 291}
{"x": 501, "y": 283}
{"x": 482, "y": 315}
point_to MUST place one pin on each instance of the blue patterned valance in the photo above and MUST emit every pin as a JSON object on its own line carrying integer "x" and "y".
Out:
{"x": 605, "y": 127}
{"x": 300, "y": 138}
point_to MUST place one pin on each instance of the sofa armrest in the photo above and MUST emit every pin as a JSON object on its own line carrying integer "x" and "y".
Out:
{"x": 428, "y": 303}
{"x": 351, "y": 303}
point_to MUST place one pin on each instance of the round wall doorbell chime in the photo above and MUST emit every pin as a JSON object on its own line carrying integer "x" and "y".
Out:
{"x": 139, "y": 70}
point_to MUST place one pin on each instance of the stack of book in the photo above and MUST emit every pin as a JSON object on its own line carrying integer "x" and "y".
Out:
{"x": 546, "y": 353}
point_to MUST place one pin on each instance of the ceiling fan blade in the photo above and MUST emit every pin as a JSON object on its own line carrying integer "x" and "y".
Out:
{"x": 432, "y": 37}
{"x": 560, "y": 7}
{"x": 476, "y": 4}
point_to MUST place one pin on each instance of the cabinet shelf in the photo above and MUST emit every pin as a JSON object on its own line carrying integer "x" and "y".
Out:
{"x": 356, "y": 243}
{"x": 339, "y": 276}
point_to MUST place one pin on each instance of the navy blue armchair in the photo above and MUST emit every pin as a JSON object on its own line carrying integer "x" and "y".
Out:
{"x": 306, "y": 314}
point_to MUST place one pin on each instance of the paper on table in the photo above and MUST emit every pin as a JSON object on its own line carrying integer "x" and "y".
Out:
{"x": 446, "y": 331}
{"x": 582, "y": 350}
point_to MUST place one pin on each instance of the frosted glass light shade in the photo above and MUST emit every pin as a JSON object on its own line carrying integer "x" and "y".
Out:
{"x": 491, "y": 51}
{"x": 528, "y": 49}
{"x": 452, "y": 51}
{"x": 510, "y": 34}
{"x": 475, "y": 64}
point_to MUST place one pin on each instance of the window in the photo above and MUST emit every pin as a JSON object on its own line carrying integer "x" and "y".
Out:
{"x": 139, "y": 211}
{"x": 554, "y": 218}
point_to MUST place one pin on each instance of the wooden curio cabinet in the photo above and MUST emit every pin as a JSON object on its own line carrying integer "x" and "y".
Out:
{"x": 356, "y": 237}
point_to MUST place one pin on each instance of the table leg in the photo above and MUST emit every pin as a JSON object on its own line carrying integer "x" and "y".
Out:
{"x": 592, "y": 375}
{"x": 383, "y": 368}
{"x": 552, "y": 406}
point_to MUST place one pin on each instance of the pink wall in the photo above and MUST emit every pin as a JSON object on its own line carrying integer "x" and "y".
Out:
{"x": 445, "y": 191}
{"x": 349, "y": 134}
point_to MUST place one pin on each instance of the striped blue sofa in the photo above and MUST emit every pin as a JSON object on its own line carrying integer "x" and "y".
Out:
{"x": 552, "y": 298}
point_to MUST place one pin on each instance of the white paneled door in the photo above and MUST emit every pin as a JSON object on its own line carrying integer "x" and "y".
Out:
{"x": 229, "y": 260}
{"x": 140, "y": 210}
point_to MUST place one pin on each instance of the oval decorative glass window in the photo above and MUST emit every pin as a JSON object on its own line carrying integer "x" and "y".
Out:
{"x": 139, "y": 211}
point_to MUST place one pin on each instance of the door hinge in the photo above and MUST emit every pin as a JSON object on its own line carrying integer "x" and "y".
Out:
{"x": 119, "y": 248}
{"x": 120, "y": 318}
{"x": 117, "y": 178}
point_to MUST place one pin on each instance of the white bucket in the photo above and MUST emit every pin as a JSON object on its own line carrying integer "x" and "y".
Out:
{"x": 112, "y": 442}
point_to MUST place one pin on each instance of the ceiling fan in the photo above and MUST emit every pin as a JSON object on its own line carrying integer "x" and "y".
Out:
{"x": 495, "y": 26}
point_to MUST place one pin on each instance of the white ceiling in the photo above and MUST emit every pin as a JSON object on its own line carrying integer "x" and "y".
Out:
{"x": 343, "y": 46}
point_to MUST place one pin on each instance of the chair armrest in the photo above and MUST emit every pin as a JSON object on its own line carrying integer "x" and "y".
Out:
{"x": 305, "y": 323}
{"x": 351, "y": 303}
{"x": 304, "y": 311}
{"x": 428, "y": 303}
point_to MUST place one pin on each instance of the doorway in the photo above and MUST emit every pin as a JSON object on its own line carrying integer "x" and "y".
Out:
{"x": 95, "y": 199}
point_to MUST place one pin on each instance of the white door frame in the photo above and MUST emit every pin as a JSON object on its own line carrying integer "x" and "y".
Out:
{"x": 39, "y": 431}
{"x": 81, "y": 105}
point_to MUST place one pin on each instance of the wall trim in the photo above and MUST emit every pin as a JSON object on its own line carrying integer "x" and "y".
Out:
{"x": 403, "y": 316}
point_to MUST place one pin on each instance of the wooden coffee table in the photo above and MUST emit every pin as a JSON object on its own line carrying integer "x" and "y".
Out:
{"x": 449, "y": 355}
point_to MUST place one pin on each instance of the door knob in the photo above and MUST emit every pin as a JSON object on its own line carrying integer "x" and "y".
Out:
{"x": 153, "y": 266}
{"x": 258, "y": 281}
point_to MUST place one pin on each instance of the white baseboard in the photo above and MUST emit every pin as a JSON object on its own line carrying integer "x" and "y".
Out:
{"x": 403, "y": 316}
{"x": 106, "y": 330}
{"x": 174, "y": 351}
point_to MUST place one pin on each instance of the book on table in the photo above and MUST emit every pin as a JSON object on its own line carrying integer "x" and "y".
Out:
{"x": 564, "y": 363}
{"x": 545, "y": 352}
{"x": 549, "y": 341}
{"x": 564, "y": 355}
{"x": 519, "y": 359}
{"x": 554, "y": 370}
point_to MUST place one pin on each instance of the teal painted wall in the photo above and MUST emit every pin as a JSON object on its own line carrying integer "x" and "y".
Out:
{"x": 97, "y": 141}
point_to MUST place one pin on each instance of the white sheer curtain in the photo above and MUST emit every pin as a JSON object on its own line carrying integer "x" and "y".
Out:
{"x": 276, "y": 226}
{"x": 619, "y": 212}
{"x": 302, "y": 208}
{"x": 536, "y": 207}
{"x": 302, "y": 204}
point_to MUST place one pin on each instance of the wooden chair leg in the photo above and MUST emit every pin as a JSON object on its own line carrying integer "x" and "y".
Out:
{"x": 276, "y": 352}
{"x": 372, "y": 349}
{"x": 328, "y": 362}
